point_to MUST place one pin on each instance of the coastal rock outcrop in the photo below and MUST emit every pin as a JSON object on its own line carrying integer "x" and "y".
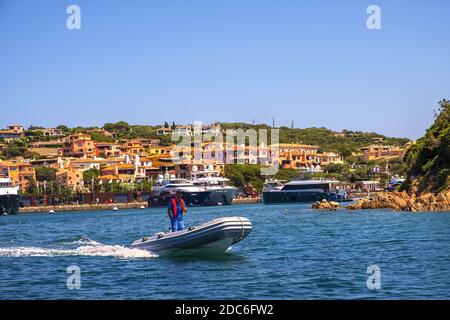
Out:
{"x": 402, "y": 201}
{"x": 325, "y": 205}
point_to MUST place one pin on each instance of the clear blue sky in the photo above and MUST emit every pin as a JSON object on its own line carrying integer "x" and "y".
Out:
{"x": 146, "y": 62}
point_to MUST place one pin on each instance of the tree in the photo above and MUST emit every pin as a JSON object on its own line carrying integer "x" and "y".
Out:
{"x": 63, "y": 128}
{"x": 31, "y": 185}
{"x": 15, "y": 149}
{"x": 90, "y": 174}
{"x": 428, "y": 160}
{"x": 45, "y": 174}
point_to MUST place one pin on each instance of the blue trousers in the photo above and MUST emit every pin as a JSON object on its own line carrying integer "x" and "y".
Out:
{"x": 177, "y": 225}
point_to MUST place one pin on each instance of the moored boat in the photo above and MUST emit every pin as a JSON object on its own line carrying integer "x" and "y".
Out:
{"x": 304, "y": 191}
{"x": 205, "y": 191}
{"x": 9, "y": 197}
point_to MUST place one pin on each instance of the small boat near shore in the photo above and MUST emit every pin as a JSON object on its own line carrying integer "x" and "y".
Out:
{"x": 215, "y": 236}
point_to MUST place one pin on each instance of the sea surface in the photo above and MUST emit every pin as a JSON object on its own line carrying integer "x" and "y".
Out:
{"x": 292, "y": 253}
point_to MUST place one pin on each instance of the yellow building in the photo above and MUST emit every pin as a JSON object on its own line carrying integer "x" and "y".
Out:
{"x": 326, "y": 158}
{"x": 133, "y": 147}
{"x": 380, "y": 152}
{"x": 160, "y": 150}
{"x": 19, "y": 172}
{"x": 70, "y": 178}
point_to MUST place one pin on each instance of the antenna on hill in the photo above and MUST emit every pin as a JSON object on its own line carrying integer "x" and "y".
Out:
{"x": 292, "y": 124}
{"x": 273, "y": 122}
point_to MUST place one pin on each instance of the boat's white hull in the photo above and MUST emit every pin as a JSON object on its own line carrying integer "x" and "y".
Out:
{"x": 215, "y": 236}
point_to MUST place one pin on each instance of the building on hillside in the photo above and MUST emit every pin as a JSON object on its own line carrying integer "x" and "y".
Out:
{"x": 325, "y": 158}
{"x": 70, "y": 178}
{"x": 164, "y": 163}
{"x": 377, "y": 139}
{"x": 297, "y": 156}
{"x": 190, "y": 169}
{"x": 160, "y": 150}
{"x": 103, "y": 132}
{"x": 133, "y": 147}
{"x": 211, "y": 129}
{"x": 241, "y": 154}
{"x": 183, "y": 130}
{"x": 164, "y": 131}
{"x": 148, "y": 143}
{"x": 108, "y": 149}
{"x": 46, "y": 148}
{"x": 338, "y": 134}
{"x": 21, "y": 173}
{"x": 84, "y": 164}
{"x": 380, "y": 152}
{"x": 125, "y": 172}
{"x": 79, "y": 145}
{"x": 50, "y": 132}
{"x": 12, "y": 132}
{"x": 46, "y": 162}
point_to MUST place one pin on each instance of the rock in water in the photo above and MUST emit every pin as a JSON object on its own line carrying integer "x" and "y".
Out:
{"x": 325, "y": 205}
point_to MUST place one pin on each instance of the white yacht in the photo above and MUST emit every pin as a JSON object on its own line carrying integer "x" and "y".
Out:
{"x": 299, "y": 190}
{"x": 9, "y": 197}
{"x": 200, "y": 191}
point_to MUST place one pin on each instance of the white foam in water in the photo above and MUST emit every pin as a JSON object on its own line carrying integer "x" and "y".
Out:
{"x": 93, "y": 248}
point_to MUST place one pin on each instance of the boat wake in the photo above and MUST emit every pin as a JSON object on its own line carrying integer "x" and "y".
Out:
{"x": 87, "y": 248}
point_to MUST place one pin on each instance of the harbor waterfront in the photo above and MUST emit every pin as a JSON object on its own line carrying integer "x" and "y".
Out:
{"x": 110, "y": 206}
{"x": 293, "y": 252}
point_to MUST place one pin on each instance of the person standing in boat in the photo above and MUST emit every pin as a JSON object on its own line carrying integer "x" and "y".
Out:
{"x": 175, "y": 212}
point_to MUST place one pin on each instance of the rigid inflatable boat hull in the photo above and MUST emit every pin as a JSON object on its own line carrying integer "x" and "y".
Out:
{"x": 215, "y": 236}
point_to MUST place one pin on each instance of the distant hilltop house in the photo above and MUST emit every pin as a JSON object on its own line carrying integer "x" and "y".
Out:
{"x": 12, "y": 132}
{"x": 380, "y": 152}
{"x": 49, "y": 132}
{"x": 164, "y": 131}
{"x": 103, "y": 132}
{"x": 183, "y": 130}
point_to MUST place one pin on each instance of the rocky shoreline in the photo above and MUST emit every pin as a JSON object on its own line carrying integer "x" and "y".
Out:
{"x": 402, "y": 201}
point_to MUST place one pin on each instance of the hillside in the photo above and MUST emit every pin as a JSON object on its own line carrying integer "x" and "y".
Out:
{"x": 428, "y": 160}
{"x": 427, "y": 186}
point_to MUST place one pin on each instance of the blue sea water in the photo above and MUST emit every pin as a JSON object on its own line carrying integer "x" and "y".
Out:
{"x": 292, "y": 253}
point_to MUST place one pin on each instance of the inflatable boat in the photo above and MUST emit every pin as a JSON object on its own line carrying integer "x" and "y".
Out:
{"x": 215, "y": 236}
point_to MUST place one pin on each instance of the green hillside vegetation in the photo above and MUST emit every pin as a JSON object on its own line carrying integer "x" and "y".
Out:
{"x": 428, "y": 161}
